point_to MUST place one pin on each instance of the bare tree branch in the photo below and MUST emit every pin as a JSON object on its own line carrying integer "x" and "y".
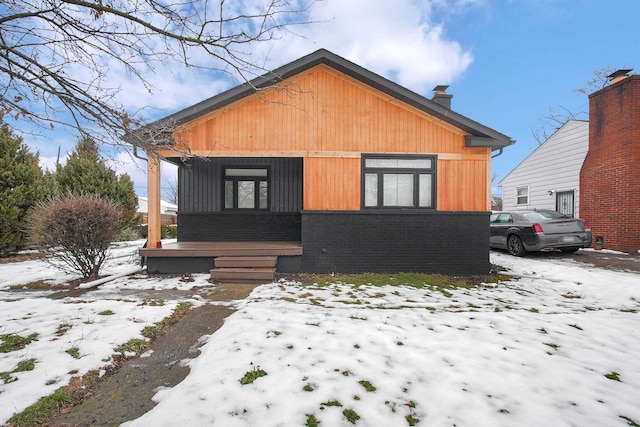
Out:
{"x": 56, "y": 56}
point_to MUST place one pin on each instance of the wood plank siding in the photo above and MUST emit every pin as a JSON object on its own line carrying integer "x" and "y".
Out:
{"x": 329, "y": 119}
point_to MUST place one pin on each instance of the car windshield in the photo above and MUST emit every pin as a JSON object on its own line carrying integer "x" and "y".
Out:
{"x": 542, "y": 215}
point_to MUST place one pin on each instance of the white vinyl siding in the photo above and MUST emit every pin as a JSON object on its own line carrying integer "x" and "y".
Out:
{"x": 553, "y": 167}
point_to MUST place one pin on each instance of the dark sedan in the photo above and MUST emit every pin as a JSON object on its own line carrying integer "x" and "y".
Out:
{"x": 520, "y": 232}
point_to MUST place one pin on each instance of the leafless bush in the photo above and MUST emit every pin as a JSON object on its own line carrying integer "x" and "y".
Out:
{"x": 74, "y": 232}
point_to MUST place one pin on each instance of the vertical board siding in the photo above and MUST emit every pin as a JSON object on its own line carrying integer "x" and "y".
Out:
{"x": 335, "y": 184}
{"x": 323, "y": 110}
{"x": 200, "y": 183}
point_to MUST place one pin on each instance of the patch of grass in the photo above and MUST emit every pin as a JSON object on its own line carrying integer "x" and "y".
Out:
{"x": 134, "y": 345}
{"x": 613, "y": 376}
{"x": 312, "y": 421}
{"x": 22, "y": 366}
{"x": 25, "y": 365}
{"x": 504, "y": 411}
{"x": 351, "y": 415}
{"x": 63, "y": 328}
{"x": 367, "y": 385}
{"x": 399, "y": 343}
{"x": 435, "y": 282}
{"x": 73, "y": 352}
{"x": 42, "y": 410}
{"x": 576, "y": 326}
{"x": 252, "y": 375}
{"x": 571, "y": 296}
{"x": 153, "y": 332}
{"x": 346, "y": 373}
{"x": 308, "y": 387}
{"x": 629, "y": 421}
{"x": 13, "y": 342}
{"x": 332, "y": 403}
{"x": 534, "y": 310}
{"x": 412, "y": 420}
{"x": 628, "y": 310}
{"x": 552, "y": 345}
{"x": 106, "y": 313}
{"x": 542, "y": 331}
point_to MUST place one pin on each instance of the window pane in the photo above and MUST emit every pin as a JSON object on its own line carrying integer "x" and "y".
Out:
{"x": 424, "y": 199}
{"x": 245, "y": 172}
{"x": 264, "y": 198}
{"x": 398, "y": 189}
{"x": 371, "y": 189}
{"x": 228, "y": 194}
{"x": 246, "y": 195}
{"x": 398, "y": 163}
{"x": 522, "y": 195}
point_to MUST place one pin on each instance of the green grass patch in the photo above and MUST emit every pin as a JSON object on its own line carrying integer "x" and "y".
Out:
{"x": 576, "y": 326}
{"x": 435, "y": 282}
{"x": 613, "y": 376}
{"x": 367, "y": 386}
{"x": 42, "y": 410}
{"x": 252, "y": 375}
{"x": 629, "y": 421}
{"x": 73, "y": 352}
{"x": 351, "y": 415}
{"x": 13, "y": 342}
{"x": 308, "y": 388}
{"x": 332, "y": 403}
{"x": 63, "y": 328}
{"x": 134, "y": 345}
{"x": 153, "y": 332}
{"x": 106, "y": 313}
{"x": 312, "y": 421}
{"x": 412, "y": 420}
{"x": 22, "y": 366}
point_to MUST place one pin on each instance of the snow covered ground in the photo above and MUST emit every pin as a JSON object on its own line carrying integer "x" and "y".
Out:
{"x": 558, "y": 347}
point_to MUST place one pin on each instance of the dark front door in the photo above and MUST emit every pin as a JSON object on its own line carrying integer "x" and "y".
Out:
{"x": 565, "y": 203}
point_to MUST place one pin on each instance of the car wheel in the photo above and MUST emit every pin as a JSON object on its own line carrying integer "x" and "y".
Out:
{"x": 569, "y": 250}
{"x": 515, "y": 246}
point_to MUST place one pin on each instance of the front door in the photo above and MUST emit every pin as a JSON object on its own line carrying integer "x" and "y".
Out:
{"x": 565, "y": 203}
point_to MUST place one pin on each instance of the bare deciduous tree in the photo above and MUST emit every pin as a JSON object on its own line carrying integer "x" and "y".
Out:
{"x": 56, "y": 55}
{"x": 559, "y": 115}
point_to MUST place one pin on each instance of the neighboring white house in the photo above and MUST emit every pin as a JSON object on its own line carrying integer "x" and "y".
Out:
{"x": 549, "y": 178}
{"x": 168, "y": 211}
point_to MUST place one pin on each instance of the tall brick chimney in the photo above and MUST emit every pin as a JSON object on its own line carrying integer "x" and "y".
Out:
{"x": 610, "y": 175}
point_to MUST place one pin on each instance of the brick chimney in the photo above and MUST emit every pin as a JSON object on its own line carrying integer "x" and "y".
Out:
{"x": 440, "y": 96}
{"x": 610, "y": 175}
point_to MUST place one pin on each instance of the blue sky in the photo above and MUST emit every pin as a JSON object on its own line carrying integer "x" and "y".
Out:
{"x": 506, "y": 61}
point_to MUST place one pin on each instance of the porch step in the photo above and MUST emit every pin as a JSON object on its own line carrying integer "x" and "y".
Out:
{"x": 243, "y": 274}
{"x": 246, "y": 261}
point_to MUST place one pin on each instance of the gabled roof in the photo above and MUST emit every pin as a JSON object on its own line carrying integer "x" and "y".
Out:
{"x": 480, "y": 135}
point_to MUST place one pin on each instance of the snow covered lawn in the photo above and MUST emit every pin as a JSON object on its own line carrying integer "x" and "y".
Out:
{"x": 558, "y": 347}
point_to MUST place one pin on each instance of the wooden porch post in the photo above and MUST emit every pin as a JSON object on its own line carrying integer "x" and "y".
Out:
{"x": 153, "y": 195}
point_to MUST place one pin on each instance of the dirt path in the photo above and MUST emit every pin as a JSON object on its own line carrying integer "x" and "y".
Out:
{"x": 127, "y": 393}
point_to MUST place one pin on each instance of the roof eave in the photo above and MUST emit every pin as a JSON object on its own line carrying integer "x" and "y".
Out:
{"x": 479, "y": 135}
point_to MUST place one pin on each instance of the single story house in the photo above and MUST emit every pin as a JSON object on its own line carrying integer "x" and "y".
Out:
{"x": 325, "y": 166}
{"x": 590, "y": 169}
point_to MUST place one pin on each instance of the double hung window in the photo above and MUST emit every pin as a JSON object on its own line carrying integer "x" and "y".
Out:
{"x": 522, "y": 196}
{"x": 246, "y": 188}
{"x": 399, "y": 181}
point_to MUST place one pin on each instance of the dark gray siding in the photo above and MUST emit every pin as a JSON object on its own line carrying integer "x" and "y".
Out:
{"x": 199, "y": 183}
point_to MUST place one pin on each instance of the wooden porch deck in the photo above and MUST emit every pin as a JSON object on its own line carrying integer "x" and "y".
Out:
{"x": 220, "y": 249}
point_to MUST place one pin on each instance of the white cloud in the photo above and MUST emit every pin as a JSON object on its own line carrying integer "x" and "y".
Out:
{"x": 398, "y": 40}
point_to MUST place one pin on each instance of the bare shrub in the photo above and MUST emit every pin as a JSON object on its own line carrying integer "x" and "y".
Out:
{"x": 74, "y": 232}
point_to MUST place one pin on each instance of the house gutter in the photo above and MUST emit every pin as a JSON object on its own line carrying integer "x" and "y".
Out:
{"x": 500, "y": 150}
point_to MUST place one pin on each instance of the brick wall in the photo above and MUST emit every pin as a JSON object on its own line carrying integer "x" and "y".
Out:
{"x": 610, "y": 175}
{"x": 391, "y": 242}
